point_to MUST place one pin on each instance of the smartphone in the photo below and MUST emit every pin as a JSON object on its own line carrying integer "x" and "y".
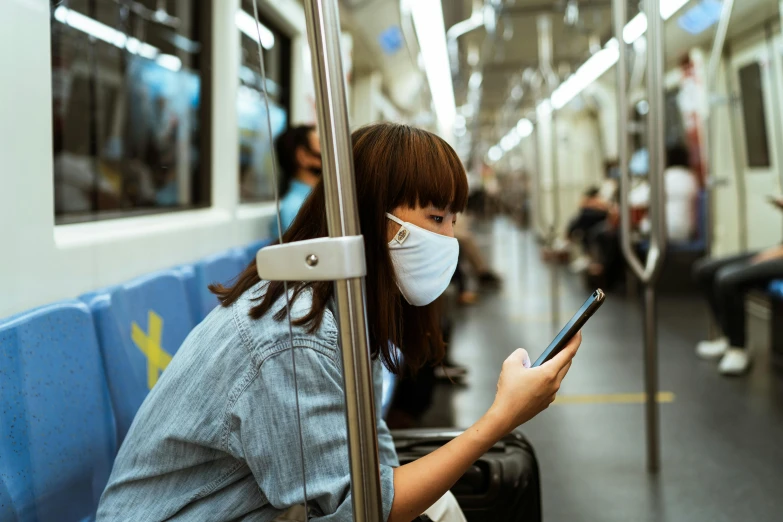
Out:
{"x": 576, "y": 323}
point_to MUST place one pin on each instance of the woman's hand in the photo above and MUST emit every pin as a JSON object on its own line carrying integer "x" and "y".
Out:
{"x": 524, "y": 392}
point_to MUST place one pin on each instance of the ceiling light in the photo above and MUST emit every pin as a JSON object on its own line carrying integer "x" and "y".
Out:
{"x": 475, "y": 80}
{"x": 524, "y": 128}
{"x": 428, "y": 22}
{"x": 635, "y": 28}
{"x": 247, "y": 24}
{"x": 495, "y": 153}
{"x": 589, "y": 72}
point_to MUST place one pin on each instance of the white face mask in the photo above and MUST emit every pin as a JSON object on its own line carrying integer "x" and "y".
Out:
{"x": 424, "y": 262}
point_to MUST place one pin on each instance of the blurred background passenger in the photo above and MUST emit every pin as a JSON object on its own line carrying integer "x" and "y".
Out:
{"x": 725, "y": 282}
{"x": 681, "y": 188}
{"x": 298, "y": 152}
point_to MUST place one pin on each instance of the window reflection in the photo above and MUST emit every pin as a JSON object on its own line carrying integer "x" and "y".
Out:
{"x": 255, "y": 154}
{"x": 127, "y": 107}
{"x": 754, "y": 116}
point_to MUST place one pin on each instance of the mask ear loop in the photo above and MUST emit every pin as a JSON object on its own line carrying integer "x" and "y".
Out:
{"x": 280, "y": 238}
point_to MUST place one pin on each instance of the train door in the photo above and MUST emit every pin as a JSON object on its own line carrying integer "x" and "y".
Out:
{"x": 752, "y": 74}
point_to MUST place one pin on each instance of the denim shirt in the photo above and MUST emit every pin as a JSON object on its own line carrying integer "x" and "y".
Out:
{"x": 217, "y": 438}
{"x": 290, "y": 204}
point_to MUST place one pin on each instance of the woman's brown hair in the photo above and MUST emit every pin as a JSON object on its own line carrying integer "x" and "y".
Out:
{"x": 395, "y": 165}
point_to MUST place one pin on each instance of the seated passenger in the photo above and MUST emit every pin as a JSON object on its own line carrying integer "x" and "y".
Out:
{"x": 219, "y": 434}
{"x": 681, "y": 189}
{"x": 592, "y": 211}
{"x": 725, "y": 283}
{"x": 299, "y": 156}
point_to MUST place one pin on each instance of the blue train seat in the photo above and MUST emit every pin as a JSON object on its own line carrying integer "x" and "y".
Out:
{"x": 188, "y": 274}
{"x": 7, "y": 512}
{"x": 776, "y": 289}
{"x": 58, "y": 433}
{"x": 252, "y": 248}
{"x": 219, "y": 268}
{"x": 141, "y": 325}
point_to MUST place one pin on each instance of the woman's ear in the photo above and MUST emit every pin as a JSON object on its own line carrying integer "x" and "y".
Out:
{"x": 391, "y": 228}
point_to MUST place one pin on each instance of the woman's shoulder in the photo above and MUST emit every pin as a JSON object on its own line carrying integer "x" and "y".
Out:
{"x": 267, "y": 335}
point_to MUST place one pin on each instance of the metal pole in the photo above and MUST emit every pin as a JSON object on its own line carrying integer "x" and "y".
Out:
{"x": 776, "y": 76}
{"x": 647, "y": 273}
{"x": 323, "y": 28}
{"x": 739, "y": 167}
{"x": 545, "y": 51}
{"x": 656, "y": 142}
{"x": 712, "y": 75}
{"x": 651, "y": 378}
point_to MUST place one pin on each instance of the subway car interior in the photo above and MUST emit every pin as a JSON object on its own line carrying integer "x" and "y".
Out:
{"x": 269, "y": 260}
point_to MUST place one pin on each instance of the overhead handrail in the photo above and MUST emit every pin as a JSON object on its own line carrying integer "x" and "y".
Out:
{"x": 649, "y": 271}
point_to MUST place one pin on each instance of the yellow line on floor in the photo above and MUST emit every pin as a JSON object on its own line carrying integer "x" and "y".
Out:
{"x": 531, "y": 318}
{"x": 613, "y": 398}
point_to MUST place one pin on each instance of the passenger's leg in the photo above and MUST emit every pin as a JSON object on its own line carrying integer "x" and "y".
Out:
{"x": 704, "y": 272}
{"x": 732, "y": 285}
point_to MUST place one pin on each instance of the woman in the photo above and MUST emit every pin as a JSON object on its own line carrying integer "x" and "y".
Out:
{"x": 219, "y": 435}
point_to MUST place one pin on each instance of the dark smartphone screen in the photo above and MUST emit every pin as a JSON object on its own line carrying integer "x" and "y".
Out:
{"x": 572, "y": 327}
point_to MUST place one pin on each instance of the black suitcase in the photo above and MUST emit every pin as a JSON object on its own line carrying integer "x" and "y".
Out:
{"x": 502, "y": 486}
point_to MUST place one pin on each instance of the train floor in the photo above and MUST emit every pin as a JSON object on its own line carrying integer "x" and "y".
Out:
{"x": 721, "y": 438}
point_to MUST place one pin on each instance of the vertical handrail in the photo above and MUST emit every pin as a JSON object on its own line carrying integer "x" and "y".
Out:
{"x": 323, "y": 28}
{"x": 649, "y": 271}
{"x": 712, "y": 76}
{"x": 735, "y": 131}
{"x": 776, "y": 75}
{"x": 545, "y": 52}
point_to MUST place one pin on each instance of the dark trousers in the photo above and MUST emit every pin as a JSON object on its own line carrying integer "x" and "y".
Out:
{"x": 584, "y": 221}
{"x": 725, "y": 283}
{"x": 604, "y": 247}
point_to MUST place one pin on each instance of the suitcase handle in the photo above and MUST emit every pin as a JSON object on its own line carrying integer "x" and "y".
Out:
{"x": 407, "y": 440}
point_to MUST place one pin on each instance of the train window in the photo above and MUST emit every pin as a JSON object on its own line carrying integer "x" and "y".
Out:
{"x": 754, "y": 116}
{"x": 129, "y": 117}
{"x": 255, "y": 156}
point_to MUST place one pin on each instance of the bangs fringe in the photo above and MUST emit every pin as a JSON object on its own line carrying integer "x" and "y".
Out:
{"x": 428, "y": 172}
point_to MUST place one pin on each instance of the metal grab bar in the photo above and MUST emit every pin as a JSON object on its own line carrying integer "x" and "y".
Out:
{"x": 323, "y": 30}
{"x": 649, "y": 272}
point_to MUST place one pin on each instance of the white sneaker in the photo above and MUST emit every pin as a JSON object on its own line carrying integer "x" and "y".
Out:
{"x": 735, "y": 362}
{"x": 579, "y": 264}
{"x": 712, "y": 349}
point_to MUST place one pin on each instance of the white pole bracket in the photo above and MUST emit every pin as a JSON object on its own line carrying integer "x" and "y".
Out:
{"x": 321, "y": 259}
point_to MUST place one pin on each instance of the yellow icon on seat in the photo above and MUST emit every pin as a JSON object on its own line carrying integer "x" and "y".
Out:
{"x": 157, "y": 358}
